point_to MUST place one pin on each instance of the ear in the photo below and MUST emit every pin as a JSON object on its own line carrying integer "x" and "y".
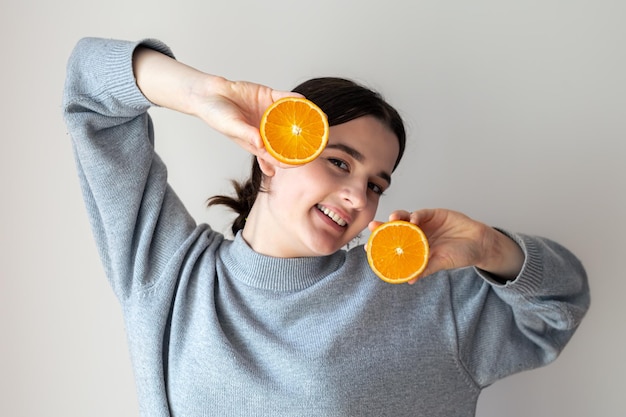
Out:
{"x": 268, "y": 169}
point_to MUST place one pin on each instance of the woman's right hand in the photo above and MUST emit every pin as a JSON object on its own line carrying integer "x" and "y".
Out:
{"x": 232, "y": 108}
{"x": 235, "y": 108}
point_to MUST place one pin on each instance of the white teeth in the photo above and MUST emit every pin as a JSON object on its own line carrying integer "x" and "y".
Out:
{"x": 334, "y": 216}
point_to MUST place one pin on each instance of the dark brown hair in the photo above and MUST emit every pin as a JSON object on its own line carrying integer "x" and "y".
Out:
{"x": 342, "y": 100}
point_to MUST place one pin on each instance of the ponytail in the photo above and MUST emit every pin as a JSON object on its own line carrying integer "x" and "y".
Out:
{"x": 245, "y": 196}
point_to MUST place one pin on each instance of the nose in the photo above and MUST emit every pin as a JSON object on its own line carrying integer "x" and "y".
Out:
{"x": 355, "y": 193}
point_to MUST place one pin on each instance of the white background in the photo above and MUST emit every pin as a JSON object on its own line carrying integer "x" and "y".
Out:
{"x": 516, "y": 114}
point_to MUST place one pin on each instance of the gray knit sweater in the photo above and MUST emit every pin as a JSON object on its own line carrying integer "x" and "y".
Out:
{"x": 215, "y": 329}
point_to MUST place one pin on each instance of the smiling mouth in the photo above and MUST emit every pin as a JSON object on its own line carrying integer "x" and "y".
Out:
{"x": 332, "y": 215}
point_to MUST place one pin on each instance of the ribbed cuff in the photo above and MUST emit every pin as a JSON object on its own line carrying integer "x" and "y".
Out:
{"x": 119, "y": 67}
{"x": 528, "y": 281}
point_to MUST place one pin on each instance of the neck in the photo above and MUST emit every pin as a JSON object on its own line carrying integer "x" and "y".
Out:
{"x": 260, "y": 238}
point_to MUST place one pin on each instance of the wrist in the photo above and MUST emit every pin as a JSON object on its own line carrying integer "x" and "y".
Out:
{"x": 502, "y": 256}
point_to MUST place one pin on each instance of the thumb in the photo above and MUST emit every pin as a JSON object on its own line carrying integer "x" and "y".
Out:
{"x": 438, "y": 262}
{"x": 247, "y": 136}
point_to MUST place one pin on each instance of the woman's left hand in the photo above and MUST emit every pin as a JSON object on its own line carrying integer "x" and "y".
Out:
{"x": 458, "y": 241}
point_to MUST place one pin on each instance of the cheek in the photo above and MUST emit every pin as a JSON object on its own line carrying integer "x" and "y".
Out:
{"x": 293, "y": 184}
{"x": 370, "y": 215}
{"x": 365, "y": 217}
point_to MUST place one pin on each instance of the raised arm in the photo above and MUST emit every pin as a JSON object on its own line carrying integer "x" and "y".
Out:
{"x": 139, "y": 223}
{"x": 233, "y": 108}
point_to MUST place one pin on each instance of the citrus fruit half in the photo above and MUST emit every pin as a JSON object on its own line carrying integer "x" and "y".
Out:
{"x": 397, "y": 251}
{"x": 294, "y": 130}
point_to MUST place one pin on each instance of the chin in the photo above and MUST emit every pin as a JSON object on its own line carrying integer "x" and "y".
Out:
{"x": 326, "y": 248}
{"x": 322, "y": 243}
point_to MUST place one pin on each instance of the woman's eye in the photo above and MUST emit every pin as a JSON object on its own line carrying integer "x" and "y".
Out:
{"x": 338, "y": 163}
{"x": 375, "y": 188}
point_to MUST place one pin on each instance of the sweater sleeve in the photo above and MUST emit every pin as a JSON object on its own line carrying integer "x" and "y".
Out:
{"x": 524, "y": 324}
{"x": 124, "y": 183}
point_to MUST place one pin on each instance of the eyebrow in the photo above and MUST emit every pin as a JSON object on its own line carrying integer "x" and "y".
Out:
{"x": 358, "y": 156}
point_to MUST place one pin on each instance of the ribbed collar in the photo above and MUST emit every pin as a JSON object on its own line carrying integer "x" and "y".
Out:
{"x": 276, "y": 274}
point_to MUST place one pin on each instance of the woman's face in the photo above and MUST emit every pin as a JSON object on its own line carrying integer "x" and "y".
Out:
{"x": 317, "y": 208}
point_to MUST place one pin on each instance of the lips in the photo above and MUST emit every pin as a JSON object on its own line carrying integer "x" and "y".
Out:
{"x": 332, "y": 215}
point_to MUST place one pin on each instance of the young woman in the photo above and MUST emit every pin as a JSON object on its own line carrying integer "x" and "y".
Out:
{"x": 281, "y": 320}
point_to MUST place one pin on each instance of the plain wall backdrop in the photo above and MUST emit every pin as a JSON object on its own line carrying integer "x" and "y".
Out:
{"x": 516, "y": 115}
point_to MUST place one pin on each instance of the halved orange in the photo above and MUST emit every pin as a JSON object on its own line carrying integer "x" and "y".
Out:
{"x": 294, "y": 130}
{"x": 397, "y": 251}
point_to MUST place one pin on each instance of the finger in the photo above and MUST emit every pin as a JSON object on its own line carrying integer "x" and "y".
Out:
{"x": 373, "y": 225}
{"x": 421, "y": 216}
{"x": 399, "y": 215}
{"x": 439, "y": 261}
{"x": 254, "y": 137}
{"x": 238, "y": 129}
